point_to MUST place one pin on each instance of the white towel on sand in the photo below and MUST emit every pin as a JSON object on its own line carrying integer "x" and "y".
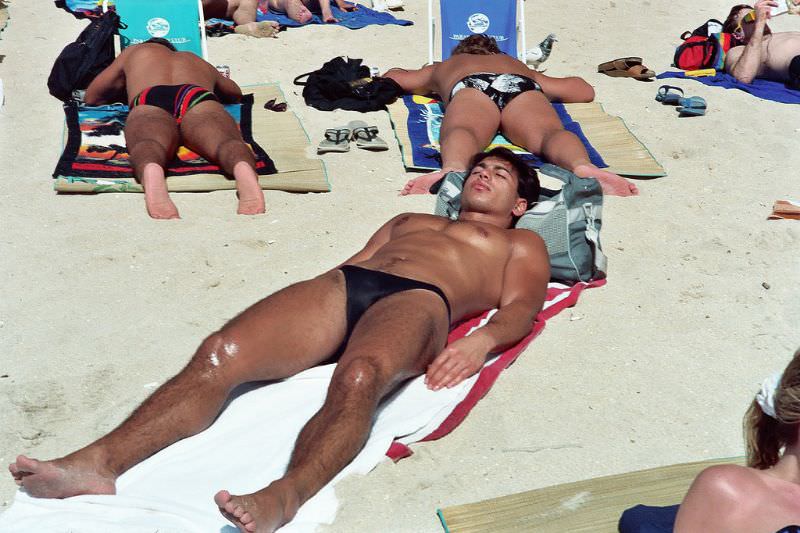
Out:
{"x": 244, "y": 450}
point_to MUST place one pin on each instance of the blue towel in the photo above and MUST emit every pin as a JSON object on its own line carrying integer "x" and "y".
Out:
{"x": 768, "y": 90}
{"x": 646, "y": 519}
{"x": 424, "y": 121}
{"x": 354, "y": 20}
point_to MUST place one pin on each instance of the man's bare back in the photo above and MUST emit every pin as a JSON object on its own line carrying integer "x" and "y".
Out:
{"x": 146, "y": 65}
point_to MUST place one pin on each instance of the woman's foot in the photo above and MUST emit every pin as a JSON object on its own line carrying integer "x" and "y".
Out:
{"x": 422, "y": 184}
{"x": 261, "y": 512}
{"x": 62, "y": 478}
{"x": 610, "y": 182}
{"x": 266, "y": 28}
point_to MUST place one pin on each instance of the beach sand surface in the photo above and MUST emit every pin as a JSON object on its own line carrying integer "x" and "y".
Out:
{"x": 99, "y": 302}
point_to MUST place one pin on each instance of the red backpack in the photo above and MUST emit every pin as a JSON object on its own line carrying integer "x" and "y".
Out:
{"x": 702, "y": 49}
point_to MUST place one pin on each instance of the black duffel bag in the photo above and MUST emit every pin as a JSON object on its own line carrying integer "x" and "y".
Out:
{"x": 344, "y": 83}
{"x": 80, "y": 62}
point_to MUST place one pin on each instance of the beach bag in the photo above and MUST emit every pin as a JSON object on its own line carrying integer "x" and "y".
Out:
{"x": 80, "y": 62}
{"x": 344, "y": 83}
{"x": 705, "y": 47}
{"x": 568, "y": 220}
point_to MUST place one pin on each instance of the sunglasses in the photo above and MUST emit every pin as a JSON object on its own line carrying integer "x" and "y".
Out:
{"x": 750, "y": 16}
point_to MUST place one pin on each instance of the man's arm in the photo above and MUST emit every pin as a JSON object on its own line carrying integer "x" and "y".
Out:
{"x": 524, "y": 290}
{"x": 226, "y": 89}
{"x": 418, "y": 81}
{"x": 744, "y": 63}
{"x": 567, "y": 90}
{"x": 108, "y": 86}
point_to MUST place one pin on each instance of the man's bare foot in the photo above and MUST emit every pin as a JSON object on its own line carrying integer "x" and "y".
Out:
{"x": 422, "y": 184}
{"x": 156, "y": 197}
{"x": 297, "y": 11}
{"x": 261, "y": 512}
{"x": 266, "y": 28}
{"x": 251, "y": 197}
{"x": 61, "y": 478}
{"x": 610, "y": 182}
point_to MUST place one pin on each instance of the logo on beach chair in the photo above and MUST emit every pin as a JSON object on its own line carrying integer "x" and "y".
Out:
{"x": 157, "y": 27}
{"x": 478, "y": 23}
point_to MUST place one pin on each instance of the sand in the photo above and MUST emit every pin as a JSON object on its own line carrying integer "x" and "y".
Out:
{"x": 100, "y": 303}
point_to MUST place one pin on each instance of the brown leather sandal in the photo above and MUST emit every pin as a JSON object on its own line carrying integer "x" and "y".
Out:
{"x": 626, "y": 67}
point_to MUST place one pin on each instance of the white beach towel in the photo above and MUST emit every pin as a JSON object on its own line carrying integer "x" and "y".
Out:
{"x": 249, "y": 446}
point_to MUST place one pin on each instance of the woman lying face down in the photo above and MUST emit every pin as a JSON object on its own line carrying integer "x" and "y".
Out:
{"x": 764, "y": 496}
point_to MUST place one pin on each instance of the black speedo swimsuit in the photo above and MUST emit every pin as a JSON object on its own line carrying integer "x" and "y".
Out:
{"x": 500, "y": 88}
{"x": 365, "y": 287}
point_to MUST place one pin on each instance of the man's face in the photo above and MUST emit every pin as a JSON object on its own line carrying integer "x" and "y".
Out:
{"x": 745, "y": 26}
{"x": 491, "y": 187}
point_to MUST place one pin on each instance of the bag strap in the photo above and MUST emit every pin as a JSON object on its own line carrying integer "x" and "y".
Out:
{"x": 593, "y": 236}
{"x": 306, "y": 75}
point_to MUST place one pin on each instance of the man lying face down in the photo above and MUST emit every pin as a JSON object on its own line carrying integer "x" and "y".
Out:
{"x": 756, "y": 51}
{"x": 384, "y": 315}
{"x": 175, "y": 99}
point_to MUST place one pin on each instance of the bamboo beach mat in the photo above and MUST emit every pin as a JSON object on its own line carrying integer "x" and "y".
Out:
{"x": 617, "y": 145}
{"x": 592, "y": 505}
{"x": 280, "y": 134}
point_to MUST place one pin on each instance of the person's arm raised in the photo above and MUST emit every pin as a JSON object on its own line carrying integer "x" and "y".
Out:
{"x": 418, "y": 81}
{"x": 108, "y": 86}
{"x": 744, "y": 64}
{"x": 524, "y": 290}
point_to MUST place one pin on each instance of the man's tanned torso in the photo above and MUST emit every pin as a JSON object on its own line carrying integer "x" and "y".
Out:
{"x": 464, "y": 259}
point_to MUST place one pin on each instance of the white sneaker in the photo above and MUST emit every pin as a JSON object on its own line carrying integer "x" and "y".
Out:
{"x": 380, "y": 5}
{"x": 394, "y": 4}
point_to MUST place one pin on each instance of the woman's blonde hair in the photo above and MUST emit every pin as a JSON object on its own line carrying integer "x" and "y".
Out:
{"x": 765, "y": 437}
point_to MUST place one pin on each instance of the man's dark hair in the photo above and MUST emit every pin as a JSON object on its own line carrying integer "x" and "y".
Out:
{"x": 478, "y": 44}
{"x": 730, "y": 23}
{"x": 527, "y": 179}
{"x": 162, "y": 42}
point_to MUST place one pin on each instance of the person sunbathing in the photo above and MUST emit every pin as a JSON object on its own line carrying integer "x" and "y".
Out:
{"x": 175, "y": 99}
{"x": 301, "y": 10}
{"x": 485, "y": 90}
{"x": 384, "y": 315}
{"x": 756, "y": 51}
{"x": 764, "y": 496}
{"x": 243, "y": 13}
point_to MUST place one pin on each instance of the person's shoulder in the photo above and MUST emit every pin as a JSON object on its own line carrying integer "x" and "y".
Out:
{"x": 732, "y": 488}
{"x": 527, "y": 241}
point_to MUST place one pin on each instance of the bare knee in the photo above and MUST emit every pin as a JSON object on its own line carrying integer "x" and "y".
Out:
{"x": 359, "y": 377}
{"x": 216, "y": 360}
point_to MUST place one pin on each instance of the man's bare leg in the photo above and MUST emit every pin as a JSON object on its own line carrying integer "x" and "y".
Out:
{"x": 270, "y": 340}
{"x": 152, "y": 138}
{"x": 294, "y": 9}
{"x": 211, "y": 132}
{"x": 470, "y": 123}
{"x": 530, "y": 121}
{"x": 395, "y": 339}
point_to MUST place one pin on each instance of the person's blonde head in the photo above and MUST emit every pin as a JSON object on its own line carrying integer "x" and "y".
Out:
{"x": 765, "y": 436}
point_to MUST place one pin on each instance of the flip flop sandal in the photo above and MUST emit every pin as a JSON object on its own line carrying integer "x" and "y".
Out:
{"x": 366, "y": 137}
{"x": 694, "y": 106}
{"x": 626, "y": 67}
{"x": 336, "y": 140}
{"x": 667, "y": 97}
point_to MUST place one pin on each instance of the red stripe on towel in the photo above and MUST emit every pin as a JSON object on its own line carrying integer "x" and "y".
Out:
{"x": 556, "y": 301}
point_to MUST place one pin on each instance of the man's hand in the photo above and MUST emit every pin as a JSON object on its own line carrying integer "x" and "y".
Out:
{"x": 458, "y": 361}
{"x": 763, "y": 9}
